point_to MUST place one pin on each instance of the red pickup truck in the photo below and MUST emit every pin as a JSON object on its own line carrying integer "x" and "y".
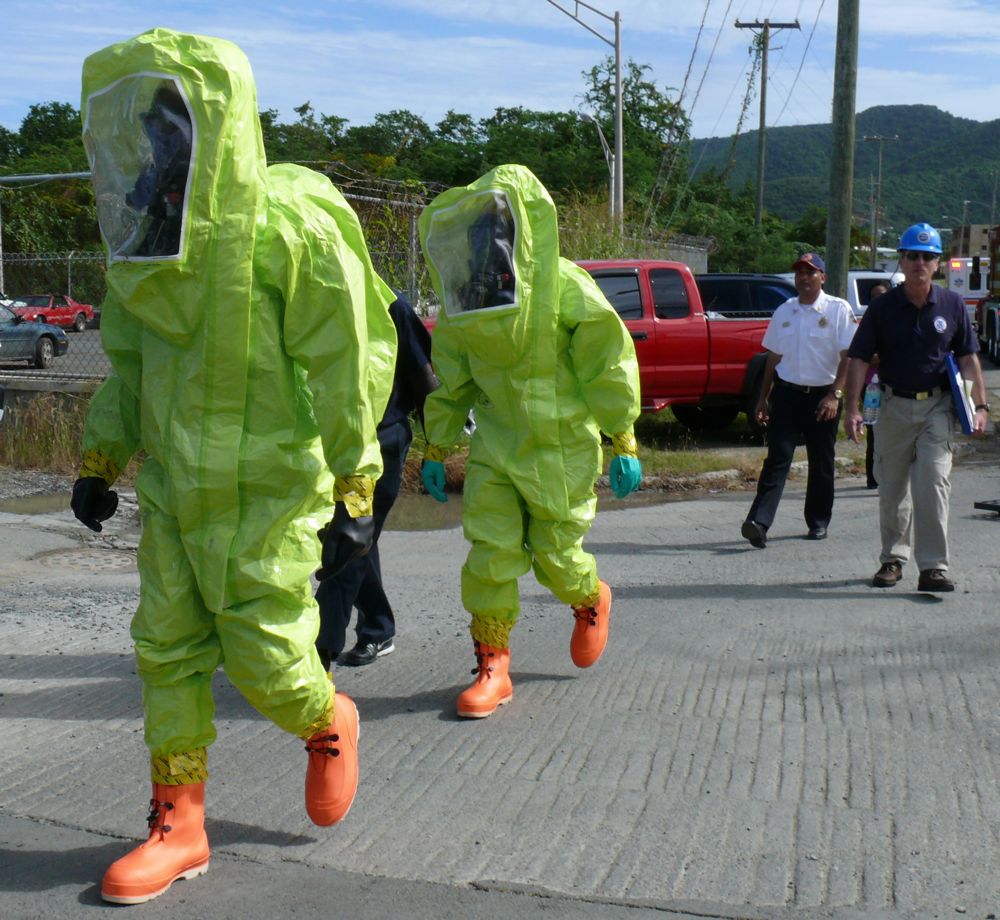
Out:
{"x": 705, "y": 361}
{"x": 54, "y": 309}
{"x": 697, "y": 338}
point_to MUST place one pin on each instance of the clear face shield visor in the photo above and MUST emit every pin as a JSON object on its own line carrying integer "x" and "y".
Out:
{"x": 471, "y": 245}
{"x": 139, "y": 137}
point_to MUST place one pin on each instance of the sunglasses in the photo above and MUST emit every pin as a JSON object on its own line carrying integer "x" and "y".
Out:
{"x": 912, "y": 256}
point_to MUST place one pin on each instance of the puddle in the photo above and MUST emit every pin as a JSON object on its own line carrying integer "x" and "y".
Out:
{"x": 36, "y": 504}
{"x": 411, "y": 511}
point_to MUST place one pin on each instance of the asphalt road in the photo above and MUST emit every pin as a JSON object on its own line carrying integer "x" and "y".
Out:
{"x": 766, "y": 735}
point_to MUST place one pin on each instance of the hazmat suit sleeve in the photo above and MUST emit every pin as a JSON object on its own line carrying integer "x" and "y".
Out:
{"x": 336, "y": 326}
{"x": 446, "y": 410}
{"x": 602, "y": 353}
{"x": 112, "y": 434}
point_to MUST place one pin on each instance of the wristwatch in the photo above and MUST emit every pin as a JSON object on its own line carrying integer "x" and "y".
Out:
{"x": 839, "y": 394}
{"x": 984, "y": 406}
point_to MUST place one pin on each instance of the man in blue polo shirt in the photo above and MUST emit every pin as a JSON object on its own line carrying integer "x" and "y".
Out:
{"x": 912, "y": 328}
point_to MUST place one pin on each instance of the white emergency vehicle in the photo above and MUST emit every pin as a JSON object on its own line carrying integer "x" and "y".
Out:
{"x": 968, "y": 276}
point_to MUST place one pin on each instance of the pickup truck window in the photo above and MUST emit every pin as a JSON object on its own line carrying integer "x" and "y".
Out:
{"x": 670, "y": 297}
{"x": 724, "y": 295}
{"x": 622, "y": 292}
{"x": 770, "y": 298}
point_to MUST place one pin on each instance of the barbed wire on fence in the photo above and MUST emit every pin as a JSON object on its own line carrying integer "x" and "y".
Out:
{"x": 387, "y": 210}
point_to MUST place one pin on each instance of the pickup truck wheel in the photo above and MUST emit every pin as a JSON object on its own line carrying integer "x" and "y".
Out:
{"x": 45, "y": 352}
{"x": 80, "y": 323}
{"x": 705, "y": 418}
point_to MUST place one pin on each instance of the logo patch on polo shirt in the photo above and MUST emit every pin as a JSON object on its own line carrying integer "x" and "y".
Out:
{"x": 940, "y": 324}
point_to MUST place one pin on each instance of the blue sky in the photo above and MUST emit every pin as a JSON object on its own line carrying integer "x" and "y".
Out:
{"x": 359, "y": 58}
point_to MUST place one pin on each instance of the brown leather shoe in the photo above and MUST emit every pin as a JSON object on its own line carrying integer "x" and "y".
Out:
{"x": 888, "y": 575}
{"x": 934, "y": 580}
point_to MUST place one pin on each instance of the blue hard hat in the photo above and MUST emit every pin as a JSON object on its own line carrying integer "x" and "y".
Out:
{"x": 920, "y": 238}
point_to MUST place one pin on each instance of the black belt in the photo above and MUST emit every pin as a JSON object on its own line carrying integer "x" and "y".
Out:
{"x": 914, "y": 394}
{"x": 800, "y": 388}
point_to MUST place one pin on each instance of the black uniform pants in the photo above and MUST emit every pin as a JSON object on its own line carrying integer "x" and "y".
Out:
{"x": 359, "y": 584}
{"x": 792, "y": 420}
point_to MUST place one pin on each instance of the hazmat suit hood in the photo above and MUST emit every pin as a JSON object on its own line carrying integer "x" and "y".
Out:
{"x": 492, "y": 250}
{"x": 172, "y": 132}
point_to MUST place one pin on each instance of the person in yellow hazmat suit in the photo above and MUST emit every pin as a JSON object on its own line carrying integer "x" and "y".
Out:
{"x": 252, "y": 355}
{"x": 527, "y": 340}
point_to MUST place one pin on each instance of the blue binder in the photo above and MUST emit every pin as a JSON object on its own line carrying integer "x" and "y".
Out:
{"x": 963, "y": 401}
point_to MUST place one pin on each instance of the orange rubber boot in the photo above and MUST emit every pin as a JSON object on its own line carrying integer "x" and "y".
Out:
{"x": 332, "y": 773}
{"x": 177, "y": 847}
{"x": 590, "y": 634}
{"x": 492, "y": 686}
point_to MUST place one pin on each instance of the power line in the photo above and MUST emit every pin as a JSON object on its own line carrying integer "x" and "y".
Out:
{"x": 802, "y": 62}
{"x": 656, "y": 193}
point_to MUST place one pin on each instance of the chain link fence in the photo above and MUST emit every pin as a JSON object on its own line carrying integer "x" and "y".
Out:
{"x": 389, "y": 220}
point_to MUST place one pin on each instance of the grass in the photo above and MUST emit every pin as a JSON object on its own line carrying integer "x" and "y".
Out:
{"x": 45, "y": 433}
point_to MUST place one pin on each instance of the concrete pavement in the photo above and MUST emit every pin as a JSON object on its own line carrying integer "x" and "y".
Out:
{"x": 766, "y": 735}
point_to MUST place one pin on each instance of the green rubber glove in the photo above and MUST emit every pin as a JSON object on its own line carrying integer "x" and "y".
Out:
{"x": 432, "y": 475}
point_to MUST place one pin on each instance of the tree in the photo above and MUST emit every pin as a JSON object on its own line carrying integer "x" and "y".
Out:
{"x": 656, "y": 130}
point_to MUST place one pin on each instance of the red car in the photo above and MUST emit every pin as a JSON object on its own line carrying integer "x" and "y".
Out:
{"x": 54, "y": 309}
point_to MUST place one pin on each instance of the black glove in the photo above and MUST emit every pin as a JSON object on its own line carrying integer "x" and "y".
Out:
{"x": 344, "y": 540}
{"x": 93, "y": 501}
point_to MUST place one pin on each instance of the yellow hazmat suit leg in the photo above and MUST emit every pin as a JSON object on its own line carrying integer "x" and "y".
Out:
{"x": 497, "y": 557}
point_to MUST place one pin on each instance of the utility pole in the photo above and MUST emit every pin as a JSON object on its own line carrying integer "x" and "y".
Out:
{"x": 765, "y": 28}
{"x": 878, "y": 190}
{"x": 993, "y": 204}
{"x": 845, "y": 80}
{"x": 619, "y": 162}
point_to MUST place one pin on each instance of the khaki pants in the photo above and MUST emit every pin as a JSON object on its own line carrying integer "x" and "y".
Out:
{"x": 913, "y": 451}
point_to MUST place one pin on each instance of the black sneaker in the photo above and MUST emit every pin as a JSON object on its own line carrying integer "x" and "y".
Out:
{"x": 367, "y": 652}
{"x": 888, "y": 575}
{"x": 755, "y": 533}
{"x": 934, "y": 580}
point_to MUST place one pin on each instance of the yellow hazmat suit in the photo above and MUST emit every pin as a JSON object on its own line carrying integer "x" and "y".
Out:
{"x": 527, "y": 340}
{"x": 253, "y": 354}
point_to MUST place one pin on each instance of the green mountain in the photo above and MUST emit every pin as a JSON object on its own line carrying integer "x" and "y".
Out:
{"x": 938, "y": 162}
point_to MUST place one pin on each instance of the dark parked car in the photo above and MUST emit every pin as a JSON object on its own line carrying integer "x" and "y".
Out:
{"x": 743, "y": 296}
{"x": 37, "y": 343}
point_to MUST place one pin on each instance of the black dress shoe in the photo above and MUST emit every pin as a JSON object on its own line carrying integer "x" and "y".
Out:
{"x": 816, "y": 533}
{"x": 367, "y": 652}
{"x": 755, "y": 533}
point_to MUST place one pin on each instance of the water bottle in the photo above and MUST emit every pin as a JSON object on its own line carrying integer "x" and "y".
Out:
{"x": 873, "y": 400}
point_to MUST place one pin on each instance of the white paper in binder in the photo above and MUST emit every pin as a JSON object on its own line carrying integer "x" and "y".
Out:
{"x": 961, "y": 391}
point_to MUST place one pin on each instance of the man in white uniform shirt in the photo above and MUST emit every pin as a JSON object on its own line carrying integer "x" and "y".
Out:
{"x": 801, "y": 398}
